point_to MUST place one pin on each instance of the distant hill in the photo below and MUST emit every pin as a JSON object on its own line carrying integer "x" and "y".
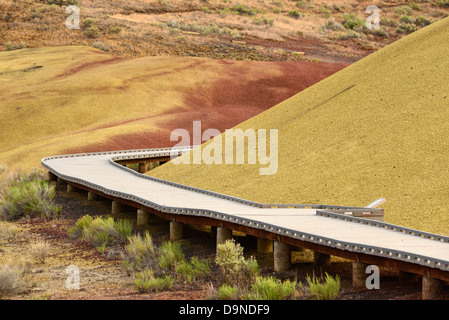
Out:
{"x": 378, "y": 128}
{"x": 79, "y": 99}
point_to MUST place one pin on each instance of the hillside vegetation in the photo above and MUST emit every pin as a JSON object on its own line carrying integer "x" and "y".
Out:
{"x": 376, "y": 129}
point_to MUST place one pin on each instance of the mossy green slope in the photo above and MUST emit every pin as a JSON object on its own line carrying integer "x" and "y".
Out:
{"x": 378, "y": 128}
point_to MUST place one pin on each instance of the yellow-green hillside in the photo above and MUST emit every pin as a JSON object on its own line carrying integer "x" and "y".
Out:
{"x": 378, "y": 128}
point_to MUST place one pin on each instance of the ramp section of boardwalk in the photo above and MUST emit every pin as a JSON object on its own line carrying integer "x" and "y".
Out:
{"x": 328, "y": 230}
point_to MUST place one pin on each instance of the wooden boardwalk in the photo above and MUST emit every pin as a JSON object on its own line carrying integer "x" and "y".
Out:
{"x": 319, "y": 228}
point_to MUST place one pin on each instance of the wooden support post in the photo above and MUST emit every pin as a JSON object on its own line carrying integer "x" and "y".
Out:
{"x": 431, "y": 288}
{"x": 116, "y": 208}
{"x": 282, "y": 257}
{"x": 176, "y": 231}
{"x": 91, "y": 196}
{"x": 70, "y": 188}
{"x": 223, "y": 234}
{"x": 143, "y": 217}
{"x": 143, "y": 167}
{"x": 359, "y": 274}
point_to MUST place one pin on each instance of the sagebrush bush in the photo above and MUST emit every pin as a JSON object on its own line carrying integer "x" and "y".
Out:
{"x": 7, "y": 232}
{"x": 193, "y": 270}
{"x": 145, "y": 281}
{"x": 140, "y": 253}
{"x": 422, "y": 21}
{"x": 227, "y": 292}
{"x": 92, "y": 32}
{"x": 244, "y": 10}
{"x": 101, "y": 232}
{"x": 12, "y": 279}
{"x": 82, "y": 223}
{"x": 39, "y": 250}
{"x": 403, "y": 10}
{"x": 235, "y": 269}
{"x": 55, "y": 2}
{"x": 28, "y": 196}
{"x": 351, "y": 21}
{"x": 169, "y": 255}
{"x": 88, "y": 22}
{"x": 406, "y": 28}
{"x": 101, "y": 46}
{"x": 324, "y": 290}
{"x": 294, "y": 14}
{"x": 270, "y": 288}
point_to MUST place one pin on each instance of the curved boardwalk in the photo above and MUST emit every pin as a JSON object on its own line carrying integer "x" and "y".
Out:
{"x": 317, "y": 227}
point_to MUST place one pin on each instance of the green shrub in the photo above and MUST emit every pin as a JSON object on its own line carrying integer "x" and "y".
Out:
{"x": 270, "y": 288}
{"x": 116, "y": 29}
{"x": 101, "y": 46}
{"x": 146, "y": 282}
{"x": 236, "y": 270}
{"x": 406, "y": 28}
{"x": 325, "y": 12}
{"x": 407, "y": 19}
{"x": 169, "y": 255}
{"x": 294, "y": 14}
{"x": 444, "y": 3}
{"x": 415, "y": 6}
{"x": 88, "y": 22}
{"x": 7, "y": 232}
{"x": 351, "y": 34}
{"x": 92, "y": 32}
{"x": 124, "y": 228}
{"x": 403, "y": 10}
{"x": 101, "y": 232}
{"x": 327, "y": 290}
{"x": 422, "y": 21}
{"x": 12, "y": 279}
{"x": 39, "y": 250}
{"x": 226, "y": 292}
{"x": 388, "y": 22}
{"x": 56, "y": 2}
{"x": 194, "y": 269}
{"x": 11, "y": 46}
{"x": 82, "y": 223}
{"x": 351, "y": 21}
{"x": 28, "y": 198}
{"x": 73, "y": 2}
{"x": 263, "y": 21}
{"x": 244, "y": 10}
{"x": 379, "y": 32}
{"x": 333, "y": 25}
{"x": 139, "y": 253}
